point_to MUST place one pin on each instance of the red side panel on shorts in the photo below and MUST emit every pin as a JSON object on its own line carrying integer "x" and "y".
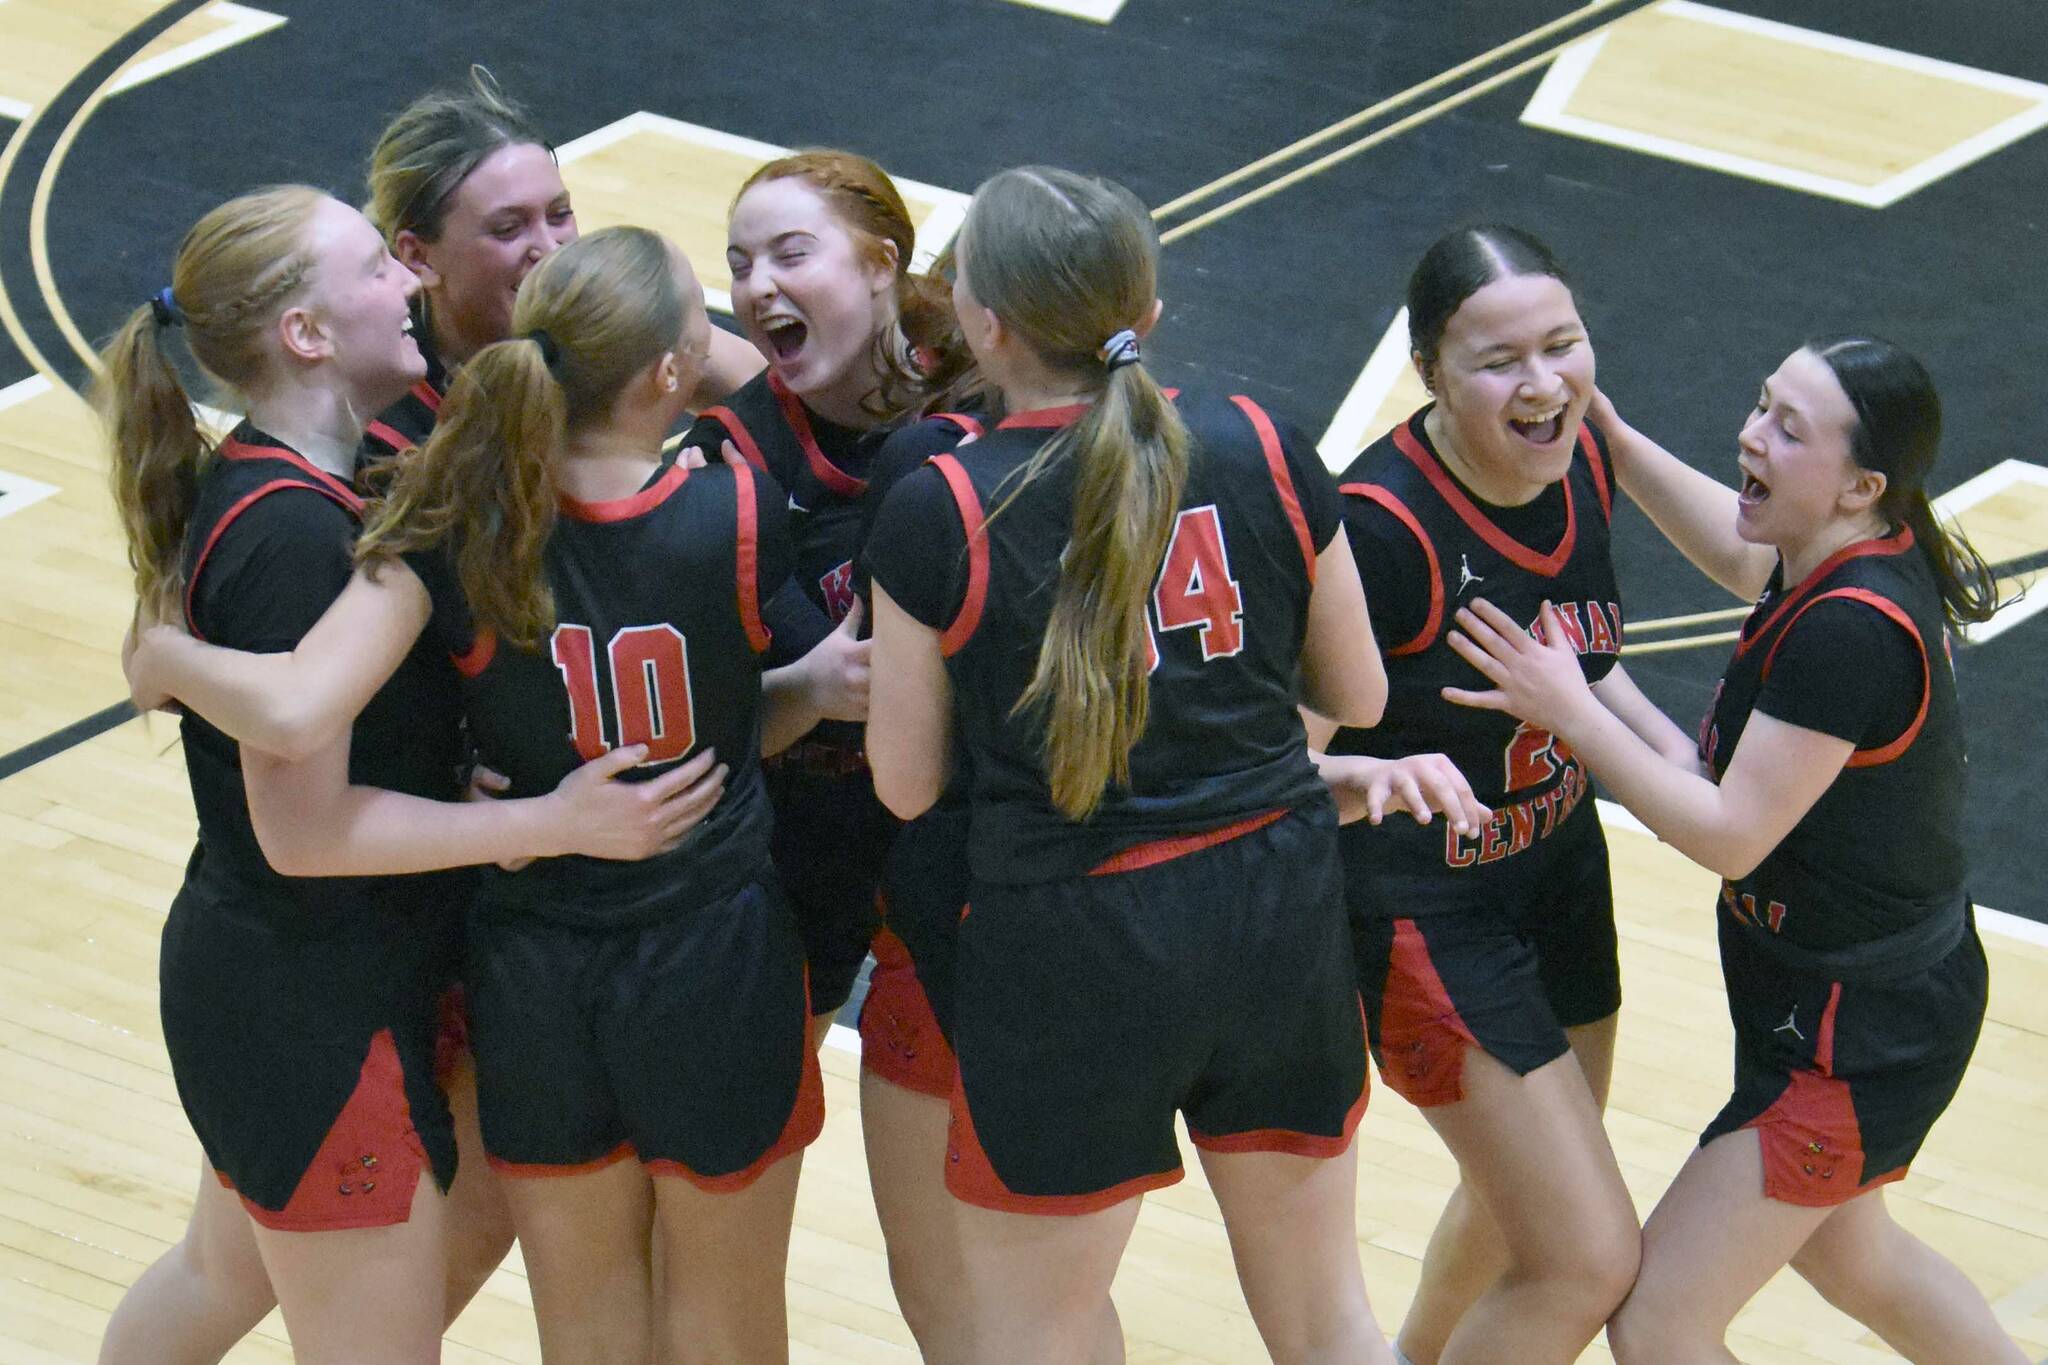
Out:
{"x": 1283, "y": 482}
{"x": 1425, "y": 637}
{"x": 365, "y": 1172}
{"x": 1811, "y": 1140}
{"x": 972, "y": 1180}
{"x": 1422, "y": 1038}
{"x": 900, "y": 1041}
{"x": 1166, "y": 850}
{"x": 741, "y": 437}
{"x": 747, "y": 558}
{"x": 956, "y": 636}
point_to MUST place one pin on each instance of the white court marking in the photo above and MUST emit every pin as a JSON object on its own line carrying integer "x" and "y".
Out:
{"x": 240, "y": 24}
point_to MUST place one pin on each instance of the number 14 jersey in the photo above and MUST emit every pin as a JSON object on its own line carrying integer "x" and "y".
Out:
{"x": 1425, "y": 547}
{"x": 658, "y": 641}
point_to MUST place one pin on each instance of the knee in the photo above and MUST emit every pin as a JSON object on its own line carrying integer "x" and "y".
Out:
{"x": 1847, "y": 1275}
{"x": 1595, "y": 1275}
{"x": 1653, "y": 1327}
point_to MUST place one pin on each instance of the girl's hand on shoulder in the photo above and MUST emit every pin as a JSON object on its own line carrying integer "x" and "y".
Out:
{"x": 600, "y": 816}
{"x": 1536, "y": 677}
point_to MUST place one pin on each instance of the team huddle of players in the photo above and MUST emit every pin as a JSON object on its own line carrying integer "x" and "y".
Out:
{"x": 1162, "y": 773}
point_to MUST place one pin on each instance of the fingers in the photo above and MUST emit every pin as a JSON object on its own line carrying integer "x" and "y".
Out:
{"x": 616, "y": 761}
{"x": 679, "y": 777}
{"x": 1553, "y": 629}
{"x": 489, "y": 779}
{"x": 1480, "y": 658}
{"x": 1411, "y": 796}
{"x": 690, "y": 457}
{"x": 1491, "y": 627}
{"x": 1495, "y": 700}
{"x": 851, "y": 625}
{"x": 681, "y": 814}
{"x": 730, "y": 453}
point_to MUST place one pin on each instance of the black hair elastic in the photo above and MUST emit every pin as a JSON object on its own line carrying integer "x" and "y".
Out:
{"x": 164, "y": 308}
{"x": 1119, "y": 351}
{"x": 550, "y": 353}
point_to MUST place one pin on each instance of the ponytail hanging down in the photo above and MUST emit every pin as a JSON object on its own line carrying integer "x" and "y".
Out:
{"x": 156, "y": 453}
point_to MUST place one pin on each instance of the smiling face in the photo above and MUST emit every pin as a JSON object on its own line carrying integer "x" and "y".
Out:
{"x": 359, "y": 297}
{"x": 1512, "y": 381}
{"x": 506, "y": 216}
{"x": 811, "y": 295}
{"x": 1800, "y": 479}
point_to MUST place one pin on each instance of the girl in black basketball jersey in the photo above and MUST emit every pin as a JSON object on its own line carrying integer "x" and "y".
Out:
{"x": 1120, "y": 598}
{"x": 641, "y": 1032}
{"x": 820, "y": 244}
{"x": 1827, "y": 789}
{"x": 1486, "y": 954}
{"x": 299, "y": 1012}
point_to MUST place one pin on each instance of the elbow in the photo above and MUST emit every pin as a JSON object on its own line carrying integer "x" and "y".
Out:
{"x": 907, "y": 796}
{"x": 1360, "y": 708}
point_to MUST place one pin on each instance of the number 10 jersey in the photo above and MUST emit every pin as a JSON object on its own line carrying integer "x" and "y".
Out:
{"x": 658, "y": 641}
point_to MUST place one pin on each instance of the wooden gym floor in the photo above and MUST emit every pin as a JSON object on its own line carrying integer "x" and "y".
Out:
{"x": 1858, "y": 135}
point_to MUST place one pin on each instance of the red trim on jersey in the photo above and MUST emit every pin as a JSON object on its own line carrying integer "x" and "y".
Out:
{"x": 523, "y": 1170}
{"x": 369, "y": 1163}
{"x": 625, "y": 509}
{"x": 1423, "y": 1038}
{"x": 1425, "y": 637}
{"x": 231, "y": 449}
{"x": 969, "y": 426}
{"x": 1516, "y": 553}
{"x": 1897, "y": 543}
{"x": 799, "y": 418}
{"x": 429, "y": 395}
{"x": 473, "y": 661}
{"x": 1884, "y": 753}
{"x": 390, "y": 436}
{"x": 741, "y": 437}
{"x": 1283, "y": 482}
{"x": 349, "y": 502}
{"x": 956, "y": 636}
{"x": 1060, "y": 416}
{"x": 747, "y": 559}
{"x": 1598, "y": 468}
{"x": 1166, "y": 850}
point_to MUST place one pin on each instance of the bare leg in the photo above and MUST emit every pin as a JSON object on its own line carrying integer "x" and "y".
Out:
{"x": 1293, "y": 1234}
{"x": 821, "y": 1027}
{"x": 905, "y": 1133}
{"x": 1532, "y": 1151}
{"x": 585, "y": 1238}
{"x": 1883, "y": 1276}
{"x": 724, "y": 1259}
{"x": 479, "y": 1219}
{"x": 1466, "y": 1255}
{"x": 364, "y": 1294}
{"x": 1038, "y": 1287}
{"x": 199, "y": 1298}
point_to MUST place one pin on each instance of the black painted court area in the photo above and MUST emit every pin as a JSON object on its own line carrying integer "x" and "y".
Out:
{"x": 1695, "y": 284}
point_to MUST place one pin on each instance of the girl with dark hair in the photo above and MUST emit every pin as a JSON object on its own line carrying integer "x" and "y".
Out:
{"x": 1487, "y": 957}
{"x": 299, "y": 1010}
{"x": 640, "y": 1029}
{"x": 1827, "y": 790}
{"x": 820, "y": 246}
{"x": 1117, "y": 597}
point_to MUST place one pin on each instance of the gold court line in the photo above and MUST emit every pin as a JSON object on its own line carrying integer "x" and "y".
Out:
{"x": 1683, "y": 642}
{"x": 1366, "y": 143}
{"x": 1698, "y": 618}
{"x": 1392, "y": 102}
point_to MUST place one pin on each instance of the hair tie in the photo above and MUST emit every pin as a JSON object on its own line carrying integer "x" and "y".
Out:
{"x": 550, "y": 353}
{"x": 1119, "y": 351}
{"x": 164, "y": 308}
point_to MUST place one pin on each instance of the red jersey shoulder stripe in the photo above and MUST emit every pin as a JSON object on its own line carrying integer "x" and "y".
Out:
{"x": 1283, "y": 482}
{"x": 1425, "y": 637}
{"x": 956, "y": 635}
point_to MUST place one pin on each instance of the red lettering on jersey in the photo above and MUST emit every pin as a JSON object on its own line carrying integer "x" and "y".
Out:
{"x": 1568, "y": 618}
{"x": 1599, "y": 635}
{"x": 1492, "y": 848}
{"x": 1455, "y": 852}
{"x": 1522, "y": 824}
{"x": 837, "y": 587}
{"x": 651, "y": 701}
{"x": 577, "y": 660}
{"x": 1195, "y": 587}
{"x": 651, "y": 691}
{"x": 1534, "y": 756}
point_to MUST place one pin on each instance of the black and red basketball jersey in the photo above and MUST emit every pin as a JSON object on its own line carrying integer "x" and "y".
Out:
{"x": 1400, "y": 500}
{"x": 268, "y": 549}
{"x": 1227, "y": 617}
{"x": 409, "y": 421}
{"x": 658, "y": 641}
{"x": 1877, "y": 865}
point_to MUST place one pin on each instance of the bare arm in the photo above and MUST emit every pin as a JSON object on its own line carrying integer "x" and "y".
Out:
{"x": 1695, "y": 511}
{"x": 297, "y": 704}
{"x": 1342, "y": 676}
{"x": 1776, "y": 775}
{"x": 1619, "y": 694}
{"x": 733, "y": 361}
{"x": 910, "y": 712}
{"x": 312, "y": 823}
